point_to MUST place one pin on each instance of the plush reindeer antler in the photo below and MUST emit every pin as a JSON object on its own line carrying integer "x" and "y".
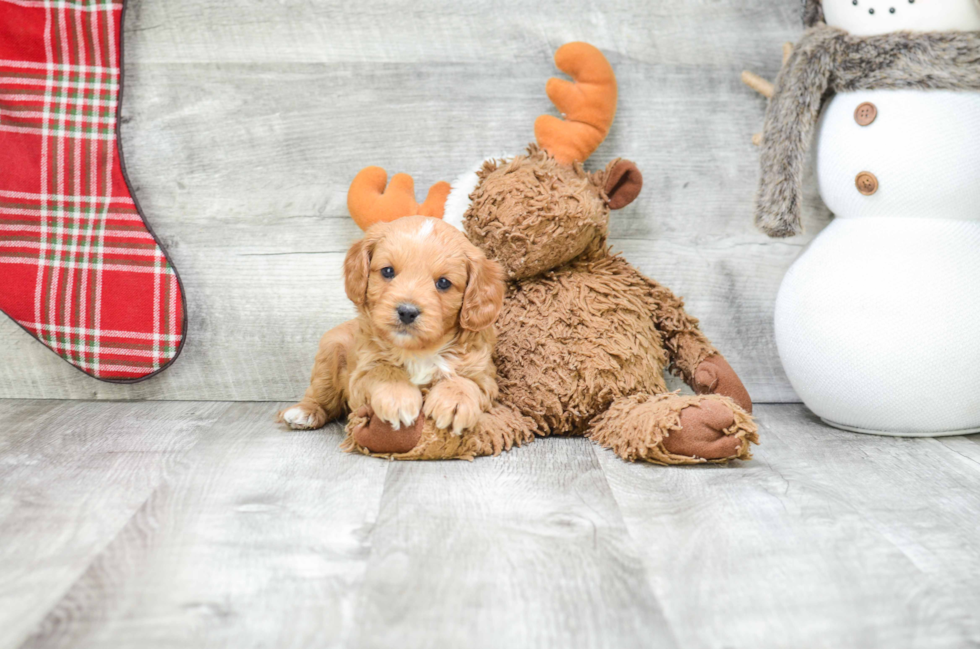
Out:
{"x": 369, "y": 202}
{"x": 588, "y": 104}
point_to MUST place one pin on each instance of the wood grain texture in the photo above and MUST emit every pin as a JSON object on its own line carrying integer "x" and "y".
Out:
{"x": 258, "y": 541}
{"x": 208, "y": 525}
{"x": 244, "y": 123}
{"x": 524, "y": 550}
{"x": 826, "y": 539}
{"x": 72, "y": 474}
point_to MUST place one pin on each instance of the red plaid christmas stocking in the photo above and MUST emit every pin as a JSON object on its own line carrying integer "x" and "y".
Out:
{"x": 79, "y": 268}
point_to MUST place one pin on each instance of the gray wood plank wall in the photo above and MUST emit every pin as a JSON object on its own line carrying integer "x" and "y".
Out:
{"x": 244, "y": 123}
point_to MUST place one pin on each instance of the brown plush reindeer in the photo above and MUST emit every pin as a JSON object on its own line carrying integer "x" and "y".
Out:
{"x": 583, "y": 337}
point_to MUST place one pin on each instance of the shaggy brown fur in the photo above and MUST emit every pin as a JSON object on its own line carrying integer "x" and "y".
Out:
{"x": 675, "y": 429}
{"x": 498, "y": 430}
{"x": 634, "y": 327}
{"x": 521, "y": 213}
{"x": 828, "y": 60}
{"x": 583, "y": 337}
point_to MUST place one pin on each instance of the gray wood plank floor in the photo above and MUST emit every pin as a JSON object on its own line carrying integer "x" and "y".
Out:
{"x": 193, "y": 524}
{"x": 244, "y": 123}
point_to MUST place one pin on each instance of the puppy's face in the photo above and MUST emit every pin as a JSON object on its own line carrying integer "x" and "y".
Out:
{"x": 419, "y": 280}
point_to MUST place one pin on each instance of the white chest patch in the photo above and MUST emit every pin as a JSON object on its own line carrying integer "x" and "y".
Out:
{"x": 423, "y": 370}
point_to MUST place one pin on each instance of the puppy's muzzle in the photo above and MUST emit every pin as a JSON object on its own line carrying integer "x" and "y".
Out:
{"x": 407, "y": 313}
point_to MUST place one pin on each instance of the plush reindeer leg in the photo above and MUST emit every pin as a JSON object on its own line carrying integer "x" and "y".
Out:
{"x": 498, "y": 430}
{"x": 675, "y": 429}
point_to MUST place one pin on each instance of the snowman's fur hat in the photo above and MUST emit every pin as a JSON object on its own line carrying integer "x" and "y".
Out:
{"x": 828, "y": 60}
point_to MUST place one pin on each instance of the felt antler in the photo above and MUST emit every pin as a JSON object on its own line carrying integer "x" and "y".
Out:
{"x": 369, "y": 202}
{"x": 588, "y": 104}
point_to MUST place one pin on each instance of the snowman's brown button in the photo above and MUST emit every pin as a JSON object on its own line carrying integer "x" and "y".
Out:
{"x": 865, "y": 113}
{"x": 866, "y": 183}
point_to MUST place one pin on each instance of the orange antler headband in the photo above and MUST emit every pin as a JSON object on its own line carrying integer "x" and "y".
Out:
{"x": 369, "y": 202}
{"x": 588, "y": 104}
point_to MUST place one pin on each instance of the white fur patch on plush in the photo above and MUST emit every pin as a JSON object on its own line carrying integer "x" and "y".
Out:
{"x": 458, "y": 200}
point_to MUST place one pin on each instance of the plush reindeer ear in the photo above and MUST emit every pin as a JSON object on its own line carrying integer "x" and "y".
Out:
{"x": 623, "y": 183}
{"x": 357, "y": 266}
{"x": 370, "y": 202}
{"x": 588, "y": 104}
{"x": 484, "y": 294}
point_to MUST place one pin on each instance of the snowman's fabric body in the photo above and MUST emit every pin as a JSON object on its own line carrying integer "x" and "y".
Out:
{"x": 878, "y": 322}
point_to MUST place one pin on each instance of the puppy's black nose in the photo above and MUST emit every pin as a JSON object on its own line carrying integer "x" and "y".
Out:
{"x": 407, "y": 313}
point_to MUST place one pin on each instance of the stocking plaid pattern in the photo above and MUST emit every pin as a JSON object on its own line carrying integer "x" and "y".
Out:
{"x": 79, "y": 269}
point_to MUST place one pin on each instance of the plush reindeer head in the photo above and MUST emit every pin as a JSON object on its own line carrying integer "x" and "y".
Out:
{"x": 537, "y": 211}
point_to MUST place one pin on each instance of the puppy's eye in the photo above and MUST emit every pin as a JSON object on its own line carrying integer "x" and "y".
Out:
{"x": 443, "y": 284}
{"x": 387, "y": 272}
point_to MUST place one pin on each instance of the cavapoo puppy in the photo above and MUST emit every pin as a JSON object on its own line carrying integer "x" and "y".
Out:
{"x": 423, "y": 340}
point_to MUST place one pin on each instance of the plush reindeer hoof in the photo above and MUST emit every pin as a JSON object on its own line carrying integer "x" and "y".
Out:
{"x": 715, "y": 376}
{"x": 378, "y": 436}
{"x": 702, "y": 432}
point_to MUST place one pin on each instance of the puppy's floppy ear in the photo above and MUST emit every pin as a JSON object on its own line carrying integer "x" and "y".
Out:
{"x": 484, "y": 294}
{"x": 357, "y": 266}
{"x": 622, "y": 184}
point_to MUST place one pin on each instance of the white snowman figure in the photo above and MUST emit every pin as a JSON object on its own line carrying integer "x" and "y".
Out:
{"x": 878, "y": 321}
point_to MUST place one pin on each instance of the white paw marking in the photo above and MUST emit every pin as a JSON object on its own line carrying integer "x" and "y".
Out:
{"x": 408, "y": 417}
{"x": 298, "y": 418}
{"x": 398, "y": 407}
{"x": 399, "y": 417}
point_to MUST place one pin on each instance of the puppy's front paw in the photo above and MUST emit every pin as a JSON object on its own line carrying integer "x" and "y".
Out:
{"x": 303, "y": 416}
{"x": 453, "y": 403}
{"x": 397, "y": 403}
